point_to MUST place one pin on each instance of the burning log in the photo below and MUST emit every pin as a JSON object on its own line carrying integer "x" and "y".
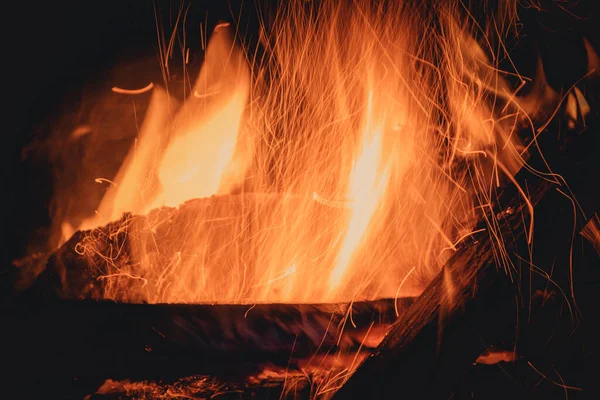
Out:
{"x": 85, "y": 266}
{"x": 236, "y": 247}
{"x": 73, "y": 289}
{"x": 301, "y": 329}
{"x": 469, "y": 305}
{"x": 472, "y": 302}
{"x": 90, "y": 340}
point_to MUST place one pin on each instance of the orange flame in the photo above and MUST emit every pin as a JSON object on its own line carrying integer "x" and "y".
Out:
{"x": 365, "y": 191}
{"x": 346, "y": 165}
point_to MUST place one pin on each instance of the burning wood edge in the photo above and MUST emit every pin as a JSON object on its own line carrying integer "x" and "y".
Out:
{"x": 75, "y": 272}
{"x": 92, "y": 339}
{"x": 72, "y": 284}
{"x": 107, "y": 262}
{"x": 221, "y": 336}
{"x": 216, "y": 339}
{"x": 471, "y": 303}
{"x": 298, "y": 330}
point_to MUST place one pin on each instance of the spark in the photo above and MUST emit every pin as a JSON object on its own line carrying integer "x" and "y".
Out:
{"x": 562, "y": 385}
{"x": 248, "y": 310}
{"x": 398, "y": 291}
{"x": 332, "y": 203}
{"x": 145, "y": 89}
{"x": 123, "y": 274}
{"x": 102, "y": 180}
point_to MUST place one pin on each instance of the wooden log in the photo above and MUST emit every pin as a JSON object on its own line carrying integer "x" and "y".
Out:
{"x": 75, "y": 270}
{"x": 472, "y": 303}
{"x": 86, "y": 339}
{"x": 225, "y": 249}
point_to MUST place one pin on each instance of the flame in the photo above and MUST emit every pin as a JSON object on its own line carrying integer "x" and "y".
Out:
{"x": 366, "y": 189}
{"x": 591, "y": 232}
{"x": 346, "y": 164}
{"x": 128, "y": 191}
{"x": 190, "y": 155}
{"x": 197, "y": 160}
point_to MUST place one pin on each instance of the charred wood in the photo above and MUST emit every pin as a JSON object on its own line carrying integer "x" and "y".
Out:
{"x": 472, "y": 303}
{"x": 89, "y": 340}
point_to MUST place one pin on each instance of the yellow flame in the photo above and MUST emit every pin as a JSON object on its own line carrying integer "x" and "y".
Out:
{"x": 198, "y": 161}
{"x": 191, "y": 156}
{"x": 366, "y": 189}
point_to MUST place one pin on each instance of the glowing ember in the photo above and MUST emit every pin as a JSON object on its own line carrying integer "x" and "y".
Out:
{"x": 496, "y": 356}
{"x": 347, "y": 164}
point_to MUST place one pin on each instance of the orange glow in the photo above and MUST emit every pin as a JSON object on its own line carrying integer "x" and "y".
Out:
{"x": 199, "y": 160}
{"x": 365, "y": 191}
{"x": 347, "y": 164}
{"x": 189, "y": 156}
{"x": 133, "y": 91}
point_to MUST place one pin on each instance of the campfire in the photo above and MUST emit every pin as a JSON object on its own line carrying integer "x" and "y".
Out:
{"x": 340, "y": 200}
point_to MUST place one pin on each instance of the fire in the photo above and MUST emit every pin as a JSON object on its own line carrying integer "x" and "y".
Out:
{"x": 347, "y": 163}
{"x": 197, "y": 163}
{"x": 365, "y": 191}
{"x": 189, "y": 156}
